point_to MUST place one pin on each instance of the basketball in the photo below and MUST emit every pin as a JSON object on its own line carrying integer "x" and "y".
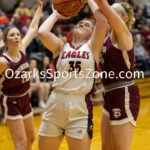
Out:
{"x": 67, "y": 8}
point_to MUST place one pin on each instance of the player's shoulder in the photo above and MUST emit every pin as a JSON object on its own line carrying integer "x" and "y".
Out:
{"x": 3, "y": 65}
{"x": 3, "y": 60}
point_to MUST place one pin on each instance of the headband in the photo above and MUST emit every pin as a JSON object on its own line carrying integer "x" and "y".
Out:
{"x": 120, "y": 8}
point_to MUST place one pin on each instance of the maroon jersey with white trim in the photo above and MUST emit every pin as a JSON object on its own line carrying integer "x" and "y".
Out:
{"x": 117, "y": 61}
{"x": 15, "y": 80}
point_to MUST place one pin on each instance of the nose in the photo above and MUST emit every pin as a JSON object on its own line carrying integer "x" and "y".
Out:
{"x": 16, "y": 36}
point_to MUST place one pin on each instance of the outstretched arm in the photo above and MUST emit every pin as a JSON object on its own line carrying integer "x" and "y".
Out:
{"x": 50, "y": 40}
{"x": 121, "y": 31}
{"x": 33, "y": 28}
{"x": 97, "y": 39}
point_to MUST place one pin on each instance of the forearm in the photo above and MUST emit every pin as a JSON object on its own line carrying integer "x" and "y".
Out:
{"x": 120, "y": 30}
{"x": 114, "y": 19}
{"x": 97, "y": 39}
{"x": 35, "y": 21}
{"x": 48, "y": 24}
{"x": 106, "y": 9}
{"x": 92, "y": 5}
{"x": 102, "y": 3}
{"x": 96, "y": 11}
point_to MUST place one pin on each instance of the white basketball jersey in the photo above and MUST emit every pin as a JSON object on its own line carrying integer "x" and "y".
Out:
{"x": 75, "y": 69}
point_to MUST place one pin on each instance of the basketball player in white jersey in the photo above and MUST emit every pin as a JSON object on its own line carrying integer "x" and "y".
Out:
{"x": 67, "y": 112}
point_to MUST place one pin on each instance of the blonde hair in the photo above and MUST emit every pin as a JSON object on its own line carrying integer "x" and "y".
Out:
{"x": 64, "y": 39}
{"x": 129, "y": 10}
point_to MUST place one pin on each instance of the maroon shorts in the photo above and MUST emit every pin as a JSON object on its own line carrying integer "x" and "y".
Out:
{"x": 122, "y": 105}
{"x": 16, "y": 108}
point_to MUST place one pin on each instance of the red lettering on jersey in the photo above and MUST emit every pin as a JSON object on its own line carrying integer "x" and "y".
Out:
{"x": 78, "y": 55}
{"x": 62, "y": 57}
{"x": 87, "y": 55}
{"x": 73, "y": 55}
{"x": 68, "y": 54}
{"x": 84, "y": 54}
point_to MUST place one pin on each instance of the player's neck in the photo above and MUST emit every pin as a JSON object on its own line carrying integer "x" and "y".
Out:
{"x": 77, "y": 43}
{"x": 14, "y": 53}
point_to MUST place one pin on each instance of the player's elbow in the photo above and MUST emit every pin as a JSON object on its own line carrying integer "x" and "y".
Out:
{"x": 33, "y": 31}
{"x": 104, "y": 20}
{"x": 41, "y": 33}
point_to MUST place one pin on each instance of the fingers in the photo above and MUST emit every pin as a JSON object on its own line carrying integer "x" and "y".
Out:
{"x": 60, "y": 16}
{"x": 40, "y": 3}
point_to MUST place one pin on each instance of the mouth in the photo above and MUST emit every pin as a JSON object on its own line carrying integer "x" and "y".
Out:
{"x": 80, "y": 28}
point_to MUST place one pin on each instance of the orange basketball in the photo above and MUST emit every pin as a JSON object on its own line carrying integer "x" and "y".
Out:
{"x": 67, "y": 7}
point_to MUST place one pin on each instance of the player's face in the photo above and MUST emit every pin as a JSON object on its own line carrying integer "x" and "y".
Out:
{"x": 84, "y": 27}
{"x": 13, "y": 37}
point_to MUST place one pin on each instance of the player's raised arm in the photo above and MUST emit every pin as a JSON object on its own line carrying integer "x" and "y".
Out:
{"x": 97, "y": 39}
{"x": 33, "y": 28}
{"x": 120, "y": 20}
{"x": 50, "y": 40}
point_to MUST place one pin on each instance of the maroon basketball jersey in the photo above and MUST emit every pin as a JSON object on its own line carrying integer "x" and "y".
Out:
{"x": 112, "y": 60}
{"x": 16, "y": 81}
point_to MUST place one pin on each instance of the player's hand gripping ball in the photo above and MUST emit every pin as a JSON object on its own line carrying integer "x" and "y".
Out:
{"x": 68, "y": 8}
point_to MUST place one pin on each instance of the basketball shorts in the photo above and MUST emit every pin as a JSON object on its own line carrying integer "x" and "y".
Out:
{"x": 15, "y": 108}
{"x": 122, "y": 105}
{"x": 66, "y": 115}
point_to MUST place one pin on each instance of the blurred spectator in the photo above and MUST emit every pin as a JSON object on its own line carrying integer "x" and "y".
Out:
{"x": 85, "y": 12}
{"x": 48, "y": 76}
{"x": 140, "y": 20}
{"x": 131, "y": 2}
{"x": 136, "y": 8}
{"x": 22, "y": 10}
{"x": 25, "y": 27}
{"x": 36, "y": 46}
{"x": 139, "y": 49}
{"x": 3, "y": 6}
{"x": 140, "y": 53}
{"x": 58, "y": 31}
{"x": 33, "y": 9}
{"x": 16, "y": 22}
{"x": 48, "y": 8}
{"x": 1, "y": 39}
{"x": 145, "y": 32}
{"x": 16, "y": 5}
{"x": 35, "y": 85}
{"x": 3, "y": 19}
{"x": 146, "y": 10}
